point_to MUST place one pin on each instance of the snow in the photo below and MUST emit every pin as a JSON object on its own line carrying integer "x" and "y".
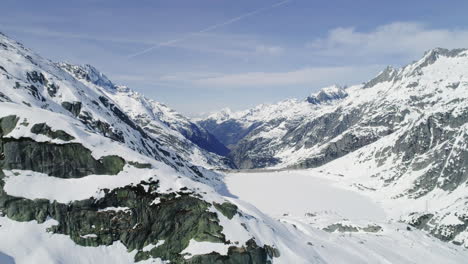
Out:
{"x": 327, "y": 95}
{"x": 29, "y": 242}
{"x": 89, "y": 236}
{"x": 451, "y": 219}
{"x": 167, "y": 122}
{"x": 333, "y": 89}
{"x": 306, "y": 218}
{"x": 276, "y": 132}
{"x": 151, "y": 246}
{"x": 235, "y": 233}
{"x": 156, "y": 201}
{"x": 289, "y": 108}
{"x": 33, "y": 185}
{"x": 201, "y": 248}
{"x": 295, "y": 206}
{"x": 300, "y": 192}
{"x": 115, "y": 209}
{"x": 417, "y": 91}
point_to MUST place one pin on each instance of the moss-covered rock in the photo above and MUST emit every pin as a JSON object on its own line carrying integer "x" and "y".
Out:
{"x": 148, "y": 216}
{"x": 60, "y": 160}
{"x": 227, "y": 209}
{"x": 176, "y": 219}
{"x": 72, "y": 107}
{"x": 140, "y": 165}
{"x": 7, "y": 124}
{"x": 251, "y": 253}
{"x": 44, "y": 129}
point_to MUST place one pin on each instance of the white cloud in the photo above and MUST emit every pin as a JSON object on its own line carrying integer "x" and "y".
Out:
{"x": 310, "y": 76}
{"x": 399, "y": 38}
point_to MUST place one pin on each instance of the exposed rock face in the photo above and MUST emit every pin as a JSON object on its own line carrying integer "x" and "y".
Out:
{"x": 342, "y": 228}
{"x": 7, "y": 124}
{"x": 387, "y": 75}
{"x": 74, "y": 108}
{"x": 60, "y": 160}
{"x": 46, "y": 130}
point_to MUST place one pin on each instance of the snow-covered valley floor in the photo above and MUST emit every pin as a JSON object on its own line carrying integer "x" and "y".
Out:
{"x": 312, "y": 201}
{"x": 297, "y": 193}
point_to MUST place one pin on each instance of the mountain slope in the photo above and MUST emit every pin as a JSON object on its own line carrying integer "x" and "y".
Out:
{"x": 86, "y": 182}
{"x": 400, "y": 137}
{"x": 256, "y": 136}
{"x": 189, "y": 140}
{"x": 312, "y": 134}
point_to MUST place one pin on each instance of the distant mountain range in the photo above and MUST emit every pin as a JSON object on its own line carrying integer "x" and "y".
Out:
{"x": 406, "y": 129}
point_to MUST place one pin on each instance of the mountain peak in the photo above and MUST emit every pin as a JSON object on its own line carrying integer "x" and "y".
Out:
{"x": 433, "y": 55}
{"x": 445, "y": 52}
{"x": 388, "y": 74}
{"x": 89, "y": 73}
{"x": 222, "y": 114}
{"x": 327, "y": 94}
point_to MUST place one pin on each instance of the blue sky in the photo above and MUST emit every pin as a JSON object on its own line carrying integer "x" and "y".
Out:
{"x": 210, "y": 54}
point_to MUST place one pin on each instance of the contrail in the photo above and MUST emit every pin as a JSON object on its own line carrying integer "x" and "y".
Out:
{"x": 210, "y": 28}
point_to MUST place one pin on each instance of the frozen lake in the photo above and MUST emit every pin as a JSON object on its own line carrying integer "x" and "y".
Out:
{"x": 301, "y": 192}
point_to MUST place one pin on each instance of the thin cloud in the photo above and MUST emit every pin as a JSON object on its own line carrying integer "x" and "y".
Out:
{"x": 311, "y": 76}
{"x": 269, "y": 50}
{"x": 208, "y": 29}
{"x": 399, "y": 38}
{"x": 51, "y": 33}
{"x": 235, "y": 45}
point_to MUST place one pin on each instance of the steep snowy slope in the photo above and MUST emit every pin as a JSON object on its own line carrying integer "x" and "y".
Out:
{"x": 189, "y": 140}
{"x": 82, "y": 183}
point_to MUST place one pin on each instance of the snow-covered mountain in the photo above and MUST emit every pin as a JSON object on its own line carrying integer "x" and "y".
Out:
{"x": 256, "y": 136}
{"x": 97, "y": 173}
{"x": 83, "y": 182}
{"x": 336, "y": 121}
{"x": 189, "y": 140}
{"x": 327, "y": 95}
{"x": 401, "y": 136}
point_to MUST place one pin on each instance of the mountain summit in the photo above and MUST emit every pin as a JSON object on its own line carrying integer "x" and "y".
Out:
{"x": 327, "y": 94}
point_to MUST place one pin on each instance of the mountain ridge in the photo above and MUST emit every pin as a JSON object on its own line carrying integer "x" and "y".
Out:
{"x": 401, "y": 136}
